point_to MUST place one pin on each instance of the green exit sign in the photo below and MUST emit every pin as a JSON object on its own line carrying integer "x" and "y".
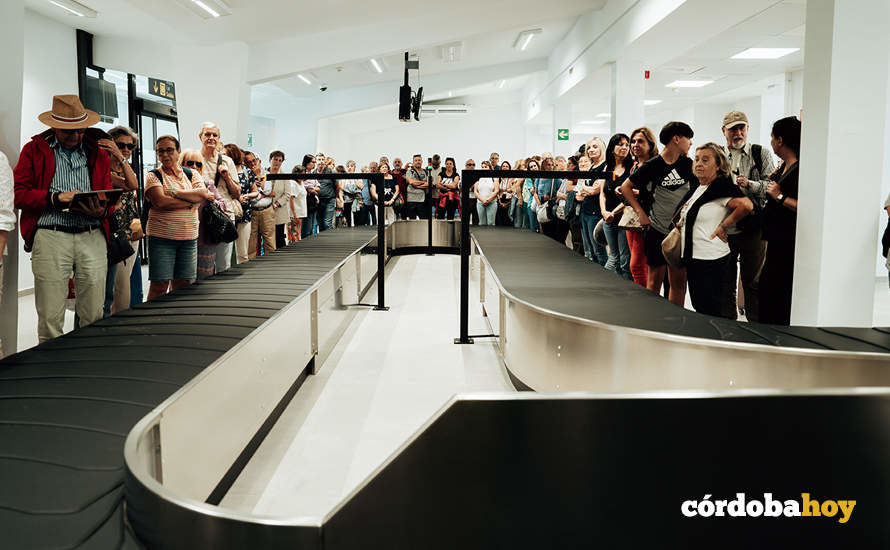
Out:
{"x": 562, "y": 134}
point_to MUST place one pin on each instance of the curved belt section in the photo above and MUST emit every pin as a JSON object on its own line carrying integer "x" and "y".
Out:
{"x": 566, "y": 324}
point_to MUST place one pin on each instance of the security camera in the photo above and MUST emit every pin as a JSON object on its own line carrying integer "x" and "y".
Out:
{"x": 323, "y": 88}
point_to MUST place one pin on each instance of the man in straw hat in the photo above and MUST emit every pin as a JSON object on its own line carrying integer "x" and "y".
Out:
{"x": 53, "y": 167}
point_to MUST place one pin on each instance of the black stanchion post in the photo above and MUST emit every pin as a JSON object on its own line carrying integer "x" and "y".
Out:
{"x": 378, "y": 182}
{"x": 429, "y": 209}
{"x": 468, "y": 179}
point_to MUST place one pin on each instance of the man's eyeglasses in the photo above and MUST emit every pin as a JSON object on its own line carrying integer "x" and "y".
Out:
{"x": 193, "y": 164}
{"x": 121, "y": 145}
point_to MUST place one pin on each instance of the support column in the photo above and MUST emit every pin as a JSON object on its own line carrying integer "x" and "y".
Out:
{"x": 840, "y": 204}
{"x": 628, "y": 93}
{"x": 12, "y": 24}
{"x": 562, "y": 119}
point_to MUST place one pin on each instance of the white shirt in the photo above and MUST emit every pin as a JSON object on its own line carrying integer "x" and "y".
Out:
{"x": 710, "y": 215}
{"x": 7, "y": 214}
{"x": 298, "y": 192}
{"x": 485, "y": 186}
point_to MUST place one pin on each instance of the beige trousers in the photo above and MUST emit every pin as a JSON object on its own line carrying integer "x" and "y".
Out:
{"x": 243, "y": 241}
{"x": 56, "y": 257}
{"x": 122, "y": 282}
{"x": 262, "y": 223}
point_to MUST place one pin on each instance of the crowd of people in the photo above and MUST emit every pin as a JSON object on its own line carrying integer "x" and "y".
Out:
{"x": 652, "y": 211}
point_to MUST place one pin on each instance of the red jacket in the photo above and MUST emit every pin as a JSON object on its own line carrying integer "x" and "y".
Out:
{"x": 34, "y": 174}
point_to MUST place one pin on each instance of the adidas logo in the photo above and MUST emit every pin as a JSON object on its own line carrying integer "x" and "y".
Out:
{"x": 673, "y": 180}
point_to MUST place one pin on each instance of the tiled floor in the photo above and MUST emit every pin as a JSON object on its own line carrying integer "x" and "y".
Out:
{"x": 391, "y": 373}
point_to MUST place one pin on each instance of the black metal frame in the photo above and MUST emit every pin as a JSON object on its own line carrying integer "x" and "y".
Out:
{"x": 468, "y": 179}
{"x": 377, "y": 180}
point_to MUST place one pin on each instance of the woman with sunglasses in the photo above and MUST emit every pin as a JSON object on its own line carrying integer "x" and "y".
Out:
{"x": 172, "y": 225}
{"x": 125, "y": 217}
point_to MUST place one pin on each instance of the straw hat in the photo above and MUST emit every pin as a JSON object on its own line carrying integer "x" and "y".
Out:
{"x": 68, "y": 114}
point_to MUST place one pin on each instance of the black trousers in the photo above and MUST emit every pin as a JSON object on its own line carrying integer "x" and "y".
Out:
{"x": 705, "y": 279}
{"x": 347, "y": 213}
{"x": 280, "y": 240}
{"x": 416, "y": 210}
{"x": 448, "y": 210}
{"x": 470, "y": 210}
{"x": 776, "y": 282}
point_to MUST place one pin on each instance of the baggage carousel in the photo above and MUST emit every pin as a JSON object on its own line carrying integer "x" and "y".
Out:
{"x": 194, "y": 380}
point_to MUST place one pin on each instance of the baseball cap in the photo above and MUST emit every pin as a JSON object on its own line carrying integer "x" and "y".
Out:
{"x": 734, "y": 118}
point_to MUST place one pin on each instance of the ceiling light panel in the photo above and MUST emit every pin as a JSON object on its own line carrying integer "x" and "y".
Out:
{"x": 74, "y": 8}
{"x": 304, "y": 79}
{"x": 524, "y": 39}
{"x": 765, "y": 53}
{"x": 376, "y": 65}
{"x": 650, "y": 102}
{"x": 689, "y": 83}
{"x": 206, "y": 9}
{"x": 451, "y": 53}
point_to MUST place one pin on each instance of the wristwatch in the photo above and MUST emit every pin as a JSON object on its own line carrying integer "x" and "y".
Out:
{"x": 781, "y": 198}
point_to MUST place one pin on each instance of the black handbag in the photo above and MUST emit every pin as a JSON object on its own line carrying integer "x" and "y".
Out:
{"x": 119, "y": 247}
{"x": 220, "y": 229}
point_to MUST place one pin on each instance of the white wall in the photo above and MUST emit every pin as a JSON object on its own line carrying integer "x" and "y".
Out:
{"x": 367, "y": 135}
{"x": 264, "y": 138}
{"x": 222, "y": 96}
{"x": 50, "y": 69}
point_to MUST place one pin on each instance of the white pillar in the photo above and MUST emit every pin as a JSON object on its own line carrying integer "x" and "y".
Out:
{"x": 562, "y": 119}
{"x": 12, "y": 24}
{"x": 628, "y": 93}
{"x": 844, "y": 117}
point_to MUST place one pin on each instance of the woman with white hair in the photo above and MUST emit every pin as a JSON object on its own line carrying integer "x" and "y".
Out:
{"x": 220, "y": 170}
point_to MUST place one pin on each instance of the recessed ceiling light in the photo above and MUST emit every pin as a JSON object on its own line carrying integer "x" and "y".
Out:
{"x": 648, "y": 102}
{"x": 206, "y": 8}
{"x": 304, "y": 79}
{"x": 688, "y": 83}
{"x": 501, "y": 83}
{"x": 604, "y": 115}
{"x": 764, "y": 53}
{"x": 74, "y": 8}
{"x": 450, "y": 93}
{"x": 376, "y": 65}
{"x": 524, "y": 38}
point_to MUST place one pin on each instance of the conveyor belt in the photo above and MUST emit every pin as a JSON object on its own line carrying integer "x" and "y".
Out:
{"x": 67, "y": 405}
{"x": 535, "y": 269}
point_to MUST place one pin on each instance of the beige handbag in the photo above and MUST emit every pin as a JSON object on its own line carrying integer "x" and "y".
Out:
{"x": 630, "y": 220}
{"x": 672, "y": 245}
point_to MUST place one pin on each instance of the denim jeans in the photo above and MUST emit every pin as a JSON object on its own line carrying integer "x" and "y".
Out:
{"x": 518, "y": 213}
{"x": 487, "y": 213}
{"x": 325, "y": 213}
{"x": 619, "y": 251}
{"x": 531, "y": 215}
{"x": 592, "y": 249}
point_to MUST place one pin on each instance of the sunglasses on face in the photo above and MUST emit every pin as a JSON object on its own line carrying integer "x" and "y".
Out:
{"x": 122, "y": 146}
{"x": 193, "y": 164}
{"x": 166, "y": 151}
{"x": 471, "y": 164}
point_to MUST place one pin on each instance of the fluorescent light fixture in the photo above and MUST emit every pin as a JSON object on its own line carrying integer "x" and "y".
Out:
{"x": 74, "y": 8}
{"x": 205, "y": 7}
{"x": 592, "y": 122}
{"x": 764, "y": 53}
{"x": 376, "y": 65}
{"x": 304, "y": 79}
{"x": 501, "y": 83}
{"x": 648, "y": 102}
{"x": 450, "y": 94}
{"x": 524, "y": 38}
{"x": 688, "y": 83}
{"x": 604, "y": 115}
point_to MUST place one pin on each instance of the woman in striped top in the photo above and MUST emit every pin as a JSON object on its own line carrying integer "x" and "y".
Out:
{"x": 172, "y": 227}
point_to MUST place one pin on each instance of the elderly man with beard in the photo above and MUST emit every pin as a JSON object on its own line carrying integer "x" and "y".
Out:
{"x": 751, "y": 166}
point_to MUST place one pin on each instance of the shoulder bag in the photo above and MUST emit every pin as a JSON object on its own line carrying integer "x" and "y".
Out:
{"x": 630, "y": 220}
{"x": 232, "y": 203}
{"x": 672, "y": 245}
{"x": 220, "y": 228}
{"x": 545, "y": 209}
